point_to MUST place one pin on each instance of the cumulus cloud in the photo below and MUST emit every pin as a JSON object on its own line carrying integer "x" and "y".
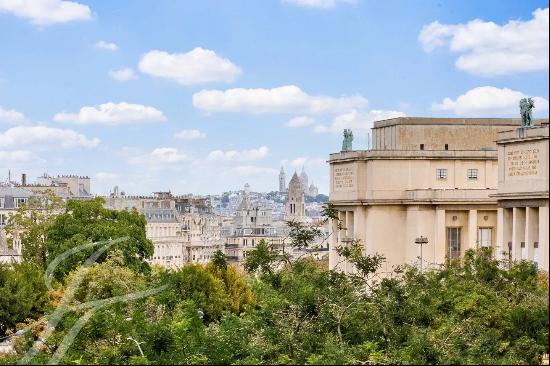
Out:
{"x": 11, "y": 116}
{"x": 490, "y": 49}
{"x": 123, "y": 74}
{"x": 190, "y": 135}
{"x": 304, "y": 161}
{"x": 234, "y": 155}
{"x": 325, "y": 4}
{"x": 113, "y": 114}
{"x": 159, "y": 157}
{"x": 284, "y": 99}
{"x": 301, "y": 121}
{"x": 488, "y": 100}
{"x": 357, "y": 121}
{"x": 194, "y": 67}
{"x": 110, "y": 46}
{"x": 16, "y": 156}
{"x": 42, "y": 137}
{"x": 46, "y": 12}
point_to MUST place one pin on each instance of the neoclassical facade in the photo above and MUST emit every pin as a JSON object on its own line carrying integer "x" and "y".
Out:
{"x": 431, "y": 177}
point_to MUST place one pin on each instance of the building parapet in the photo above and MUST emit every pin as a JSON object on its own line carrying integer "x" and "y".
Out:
{"x": 413, "y": 154}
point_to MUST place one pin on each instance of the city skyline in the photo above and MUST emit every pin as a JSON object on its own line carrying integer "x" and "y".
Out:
{"x": 164, "y": 97}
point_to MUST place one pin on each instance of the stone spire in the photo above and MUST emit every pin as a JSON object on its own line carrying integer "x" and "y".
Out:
{"x": 282, "y": 180}
{"x": 295, "y": 204}
{"x": 304, "y": 179}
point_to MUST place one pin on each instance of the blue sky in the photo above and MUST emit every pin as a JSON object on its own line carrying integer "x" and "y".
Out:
{"x": 204, "y": 96}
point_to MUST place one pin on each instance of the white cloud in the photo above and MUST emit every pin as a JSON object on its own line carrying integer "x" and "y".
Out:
{"x": 11, "y": 116}
{"x": 110, "y": 46}
{"x": 113, "y": 114}
{"x": 301, "y": 121}
{"x": 488, "y": 100}
{"x": 490, "y": 49}
{"x": 42, "y": 137}
{"x": 194, "y": 67}
{"x": 159, "y": 157}
{"x": 123, "y": 74}
{"x": 319, "y": 3}
{"x": 190, "y": 135}
{"x": 284, "y": 99}
{"x": 252, "y": 171}
{"x": 305, "y": 161}
{"x": 106, "y": 176}
{"x": 16, "y": 156}
{"x": 244, "y": 155}
{"x": 46, "y": 12}
{"x": 357, "y": 121}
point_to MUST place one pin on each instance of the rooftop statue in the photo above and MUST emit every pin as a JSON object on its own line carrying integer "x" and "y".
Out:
{"x": 348, "y": 139}
{"x": 526, "y": 106}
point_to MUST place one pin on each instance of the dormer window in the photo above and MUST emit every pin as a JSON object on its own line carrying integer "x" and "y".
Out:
{"x": 20, "y": 201}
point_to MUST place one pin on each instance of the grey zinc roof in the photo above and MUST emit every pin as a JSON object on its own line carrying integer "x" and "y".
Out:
{"x": 160, "y": 215}
{"x": 15, "y": 192}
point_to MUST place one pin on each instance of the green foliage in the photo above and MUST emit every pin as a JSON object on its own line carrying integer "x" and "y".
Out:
{"x": 88, "y": 221}
{"x": 23, "y": 294}
{"x": 290, "y": 311}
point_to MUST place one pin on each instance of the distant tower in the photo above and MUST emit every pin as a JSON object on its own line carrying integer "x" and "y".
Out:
{"x": 295, "y": 204}
{"x": 282, "y": 180}
{"x": 247, "y": 188}
{"x": 304, "y": 179}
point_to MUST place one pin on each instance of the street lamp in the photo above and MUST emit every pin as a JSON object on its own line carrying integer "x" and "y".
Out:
{"x": 421, "y": 241}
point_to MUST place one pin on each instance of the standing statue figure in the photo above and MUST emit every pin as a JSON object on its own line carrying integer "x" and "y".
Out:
{"x": 348, "y": 139}
{"x": 526, "y": 106}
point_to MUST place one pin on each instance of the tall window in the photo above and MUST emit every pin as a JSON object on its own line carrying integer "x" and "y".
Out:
{"x": 1, "y": 202}
{"x": 453, "y": 243}
{"x": 472, "y": 174}
{"x": 523, "y": 251}
{"x": 3, "y": 219}
{"x": 485, "y": 237}
{"x": 441, "y": 174}
{"x": 536, "y": 254}
{"x": 19, "y": 202}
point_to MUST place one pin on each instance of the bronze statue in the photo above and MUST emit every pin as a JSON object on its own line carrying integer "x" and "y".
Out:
{"x": 348, "y": 139}
{"x": 526, "y": 106}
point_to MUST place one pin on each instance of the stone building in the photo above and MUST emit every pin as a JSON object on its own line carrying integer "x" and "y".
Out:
{"x": 295, "y": 205}
{"x": 431, "y": 177}
{"x": 522, "y": 196}
{"x": 11, "y": 198}
{"x": 182, "y": 228}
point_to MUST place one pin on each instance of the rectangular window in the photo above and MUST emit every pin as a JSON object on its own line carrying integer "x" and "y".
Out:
{"x": 1, "y": 203}
{"x": 536, "y": 254}
{"x": 3, "y": 219}
{"x": 453, "y": 243}
{"x": 446, "y": 146}
{"x": 472, "y": 174}
{"x": 485, "y": 235}
{"x": 19, "y": 202}
{"x": 523, "y": 251}
{"x": 441, "y": 174}
{"x": 421, "y": 146}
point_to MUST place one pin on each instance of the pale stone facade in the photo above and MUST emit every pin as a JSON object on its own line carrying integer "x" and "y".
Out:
{"x": 522, "y": 230}
{"x": 296, "y": 204}
{"x": 182, "y": 229}
{"x": 431, "y": 177}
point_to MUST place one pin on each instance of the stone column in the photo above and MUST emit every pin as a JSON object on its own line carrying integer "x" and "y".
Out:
{"x": 472, "y": 230}
{"x": 518, "y": 231}
{"x": 332, "y": 244}
{"x": 543, "y": 238}
{"x": 500, "y": 245}
{"x": 531, "y": 230}
{"x": 440, "y": 240}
